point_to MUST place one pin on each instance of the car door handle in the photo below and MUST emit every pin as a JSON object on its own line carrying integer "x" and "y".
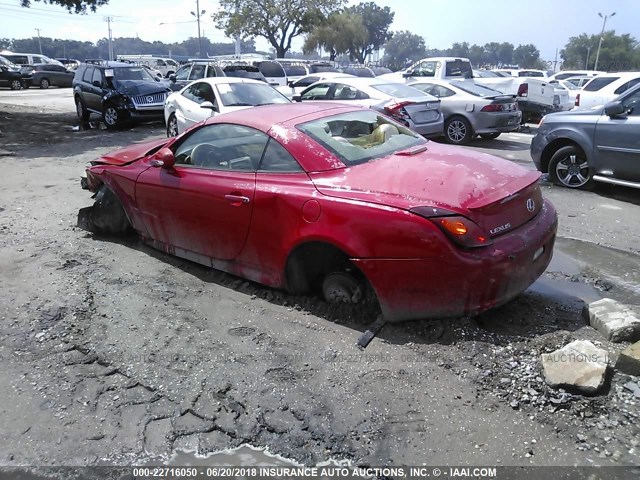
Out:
{"x": 236, "y": 199}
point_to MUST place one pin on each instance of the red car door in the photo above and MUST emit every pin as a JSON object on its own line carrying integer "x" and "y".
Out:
{"x": 204, "y": 203}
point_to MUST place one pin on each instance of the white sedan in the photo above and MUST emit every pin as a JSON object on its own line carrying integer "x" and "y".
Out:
{"x": 417, "y": 110}
{"x": 213, "y": 96}
{"x": 297, "y": 86}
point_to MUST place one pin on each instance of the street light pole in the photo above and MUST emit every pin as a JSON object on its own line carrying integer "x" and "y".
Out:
{"x": 197, "y": 15}
{"x": 586, "y": 63}
{"x": 604, "y": 23}
{"x": 39, "y": 41}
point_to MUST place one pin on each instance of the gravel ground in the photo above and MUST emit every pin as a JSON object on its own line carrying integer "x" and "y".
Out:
{"x": 115, "y": 353}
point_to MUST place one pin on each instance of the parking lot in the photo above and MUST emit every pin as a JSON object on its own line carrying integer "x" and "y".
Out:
{"x": 135, "y": 354}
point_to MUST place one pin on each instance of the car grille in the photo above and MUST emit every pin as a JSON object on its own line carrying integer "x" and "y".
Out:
{"x": 153, "y": 100}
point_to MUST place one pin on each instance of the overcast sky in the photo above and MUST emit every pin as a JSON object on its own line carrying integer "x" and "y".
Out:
{"x": 548, "y": 24}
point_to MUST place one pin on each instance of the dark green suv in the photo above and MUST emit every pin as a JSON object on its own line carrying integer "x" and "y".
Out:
{"x": 119, "y": 92}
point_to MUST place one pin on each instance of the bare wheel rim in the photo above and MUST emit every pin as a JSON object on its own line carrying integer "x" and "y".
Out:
{"x": 456, "y": 131}
{"x": 79, "y": 107}
{"x": 573, "y": 171}
{"x": 173, "y": 126}
{"x": 16, "y": 85}
{"x": 110, "y": 116}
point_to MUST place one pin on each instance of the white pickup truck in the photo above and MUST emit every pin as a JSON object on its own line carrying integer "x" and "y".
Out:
{"x": 535, "y": 96}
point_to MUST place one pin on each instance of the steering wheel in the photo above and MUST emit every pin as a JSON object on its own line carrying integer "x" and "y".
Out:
{"x": 203, "y": 155}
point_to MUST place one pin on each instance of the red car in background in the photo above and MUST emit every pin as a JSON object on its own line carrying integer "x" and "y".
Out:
{"x": 333, "y": 198}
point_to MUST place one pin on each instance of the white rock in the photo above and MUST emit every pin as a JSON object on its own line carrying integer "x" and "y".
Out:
{"x": 579, "y": 365}
{"x": 617, "y": 322}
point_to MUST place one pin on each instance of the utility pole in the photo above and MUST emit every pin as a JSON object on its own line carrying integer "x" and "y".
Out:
{"x": 39, "y": 41}
{"x": 555, "y": 61}
{"x": 197, "y": 14}
{"x": 604, "y": 22}
{"x": 109, "y": 20}
{"x": 586, "y": 64}
{"x": 237, "y": 49}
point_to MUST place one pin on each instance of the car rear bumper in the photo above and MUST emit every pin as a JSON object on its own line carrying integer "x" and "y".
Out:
{"x": 431, "y": 129}
{"x": 466, "y": 282}
{"x": 497, "y": 122}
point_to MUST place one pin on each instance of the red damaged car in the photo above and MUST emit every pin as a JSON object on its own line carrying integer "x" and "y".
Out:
{"x": 335, "y": 199}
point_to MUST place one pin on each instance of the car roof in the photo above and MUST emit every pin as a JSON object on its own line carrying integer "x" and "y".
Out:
{"x": 266, "y": 116}
{"x": 216, "y": 80}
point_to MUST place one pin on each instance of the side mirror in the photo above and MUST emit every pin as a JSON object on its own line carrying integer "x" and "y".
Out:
{"x": 210, "y": 106}
{"x": 297, "y": 97}
{"x": 173, "y": 78}
{"x": 290, "y": 83}
{"x": 163, "y": 158}
{"x": 96, "y": 83}
{"x": 408, "y": 73}
{"x": 614, "y": 108}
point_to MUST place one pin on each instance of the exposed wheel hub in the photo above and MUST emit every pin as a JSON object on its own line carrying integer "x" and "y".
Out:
{"x": 340, "y": 287}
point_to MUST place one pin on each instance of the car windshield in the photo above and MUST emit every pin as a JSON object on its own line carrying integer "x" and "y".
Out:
{"x": 398, "y": 90}
{"x": 252, "y": 73}
{"x": 131, "y": 73}
{"x": 485, "y": 74}
{"x": 362, "y": 136}
{"x": 477, "y": 90}
{"x": 249, "y": 94}
{"x": 599, "y": 83}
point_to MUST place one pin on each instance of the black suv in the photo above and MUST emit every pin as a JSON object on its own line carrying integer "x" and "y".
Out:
{"x": 119, "y": 92}
{"x": 10, "y": 75}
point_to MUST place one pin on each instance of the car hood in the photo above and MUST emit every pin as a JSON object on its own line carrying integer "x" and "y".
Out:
{"x": 130, "y": 154}
{"x": 139, "y": 87}
{"x": 442, "y": 176}
{"x": 568, "y": 115}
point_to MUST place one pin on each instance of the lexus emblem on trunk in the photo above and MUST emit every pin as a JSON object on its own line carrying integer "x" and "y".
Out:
{"x": 531, "y": 204}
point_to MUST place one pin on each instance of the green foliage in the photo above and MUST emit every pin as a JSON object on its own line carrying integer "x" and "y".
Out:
{"x": 527, "y": 56}
{"x": 403, "y": 47}
{"x": 77, "y": 6}
{"x": 377, "y": 21}
{"x": 279, "y": 21}
{"x": 338, "y": 35}
{"x": 53, "y": 47}
{"x": 618, "y": 52}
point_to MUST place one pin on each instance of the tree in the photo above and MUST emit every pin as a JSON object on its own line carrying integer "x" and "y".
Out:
{"x": 279, "y": 21}
{"x": 377, "y": 21}
{"x": 338, "y": 35}
{"x": 618, "y": 52}
{"x": 404, "y": 46}
{"x": 526, "y": 56}
{"x": 77, "y": 6}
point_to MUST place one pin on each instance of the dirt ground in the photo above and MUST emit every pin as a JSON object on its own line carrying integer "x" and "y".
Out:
{"x": 114, "y": 353}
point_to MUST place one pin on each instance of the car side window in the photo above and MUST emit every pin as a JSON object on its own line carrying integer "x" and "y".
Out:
{"x": 317, "y": 92}
{"x": 305, "y": 82}
{"x": 197, "y": 72}
{"x": 183, "y": 72}
{"x": 222, "y": 146}
{"x": 191, "y": 93}
{"x": 345, "y": 92}
{"x": 426, "y": 88}
{"x": 97, "y": 76}
{"x": 442, "y": 92}
{"x": 88, "y": 74}
{"x": 277, "y": 159}
{"x": 632, "y": 104}
{"x": 623, "y": 88}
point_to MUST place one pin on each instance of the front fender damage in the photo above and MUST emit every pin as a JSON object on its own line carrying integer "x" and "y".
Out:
{"x": 106, "y": 215}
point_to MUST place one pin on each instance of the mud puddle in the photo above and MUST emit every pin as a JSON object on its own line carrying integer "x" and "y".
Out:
{"x": 583, "y": 271}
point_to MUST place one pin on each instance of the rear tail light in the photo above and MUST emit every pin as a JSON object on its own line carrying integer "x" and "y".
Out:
{"x": 556, "y": 100}
{"x": 523, "y": 90}
{"x": 396, "y": 110}
{"x": 577, "y": 100}
{"x": 493, "y": 107}
{"x": 460, "y": 230}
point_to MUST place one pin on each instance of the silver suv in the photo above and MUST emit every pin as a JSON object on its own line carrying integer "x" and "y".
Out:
{"x": 579, "y": 148}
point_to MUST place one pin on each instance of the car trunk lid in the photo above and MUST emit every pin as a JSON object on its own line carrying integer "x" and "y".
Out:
{"x": 495, "y": 193}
